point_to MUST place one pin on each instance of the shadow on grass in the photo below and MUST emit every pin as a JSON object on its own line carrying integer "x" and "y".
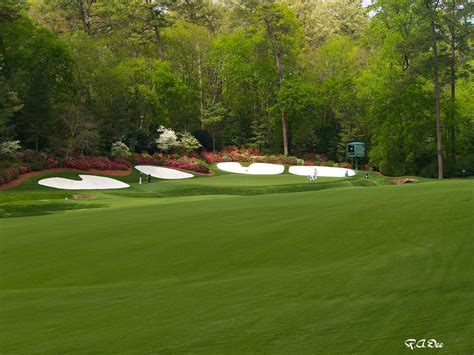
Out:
{"x": 45, "y": 208}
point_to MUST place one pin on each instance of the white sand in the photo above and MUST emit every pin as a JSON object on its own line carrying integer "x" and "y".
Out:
{"x": 324, "y": 171}
{"x": 87, "y": 182}
{"x": 163, "y": 173}
{"x": 235, "y": 168}
{"x": 265, "y": 169}
{"x": 253, "y": 169}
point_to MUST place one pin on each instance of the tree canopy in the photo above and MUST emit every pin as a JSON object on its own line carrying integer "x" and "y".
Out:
{"x": 293, "y": 77}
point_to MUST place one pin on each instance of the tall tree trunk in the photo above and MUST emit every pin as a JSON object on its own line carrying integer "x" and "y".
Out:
{"x": 201, "y": 87}
{"x": 156, "y": 29}
{"x": 283, "y": 113}
{"x": 159, "y": 42}
{"x": 439, "y": 144}
{"x": 279, "y": 66}
{"x": 84, "y": 13}
{"x": 285, "y": 132}
{"x": 452, "y": 126}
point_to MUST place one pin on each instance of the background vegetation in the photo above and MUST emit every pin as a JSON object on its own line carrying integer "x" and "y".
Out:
{"x": 293, "y": 77}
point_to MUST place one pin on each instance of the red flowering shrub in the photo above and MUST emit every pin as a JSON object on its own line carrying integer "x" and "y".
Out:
{"x": 187, "y": 163}
{"x": 9, "y": 174}
{"x": 251, "y": 151}
{"x": 345, "y": 165}
{"x": 99, "y": 163}
{"x": 35, "y": 161}
{"x": 26, "y": 161}
{"x": 212, "y": 158}
{"x": 142, "y": 159}
{"x": 233, "y": 154}
{"x": 188, "y": 166}
{"x": 119, "y": 166}
{"x": 229, "y": 148}
{"x": 52, "y": 163}
{"x": 24, "y": 169}
{"x": 74, "y": 163}
{"x": 172, "y": 160}
{"x": 121, "y": 161}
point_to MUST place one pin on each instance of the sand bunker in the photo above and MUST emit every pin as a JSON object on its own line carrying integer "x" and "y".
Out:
{"x": 163, "y": 173}
{"x": 324, "y": 171}
{"x": 253, "y": 169}
{"x": 87, "y": 182}
{"x": 235, "y": 168}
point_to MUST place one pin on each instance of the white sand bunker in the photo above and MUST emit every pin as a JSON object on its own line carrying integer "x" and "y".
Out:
{"x": 324, "y": 171}
{"x": 87, "y": 182}
{"x": 253, "y": 169}
{"x": 163, "y": 173}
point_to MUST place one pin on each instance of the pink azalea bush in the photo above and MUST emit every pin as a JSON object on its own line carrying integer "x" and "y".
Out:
{"x": 234, "y": 154}
{"x": 13, "y": 165}
{"x": 26, "y": 161}
{"x": 8, "y": 174}
{"x": 191, "y": 163}
{"x": 99, "y": 163}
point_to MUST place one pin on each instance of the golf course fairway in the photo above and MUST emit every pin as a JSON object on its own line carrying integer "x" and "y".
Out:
{"x": 339, "y": 270}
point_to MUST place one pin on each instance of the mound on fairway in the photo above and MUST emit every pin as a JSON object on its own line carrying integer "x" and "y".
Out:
{"x": 87, "y": 182}
{"x": 163, "y": 173}
{"x": 324, "y": 171}
{"x": 253, "y": 169}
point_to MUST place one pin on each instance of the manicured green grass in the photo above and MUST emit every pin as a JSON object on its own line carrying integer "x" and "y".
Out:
{"x": 339, "y": 270}
{"x": 218, "y": 184}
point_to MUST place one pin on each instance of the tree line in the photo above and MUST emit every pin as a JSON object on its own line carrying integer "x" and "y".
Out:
{"x": 291, "y": 76}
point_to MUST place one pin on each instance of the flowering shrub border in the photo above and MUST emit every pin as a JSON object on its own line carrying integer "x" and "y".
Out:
{"x": 173, "y": 161}
{"x": 234, "y": 154}
{"x": 28, "y": 161}
{"x": 99, "y": 163}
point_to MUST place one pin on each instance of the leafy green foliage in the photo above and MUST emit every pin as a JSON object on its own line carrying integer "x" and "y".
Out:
{"x": 79, "y": 75}
{"x": 120, "y": 149}
{"x": 39, "y": 69}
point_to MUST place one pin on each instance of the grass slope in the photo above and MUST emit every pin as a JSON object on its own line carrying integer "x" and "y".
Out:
{"x": 218, "y": 184}
{"x": 334, "y": 271}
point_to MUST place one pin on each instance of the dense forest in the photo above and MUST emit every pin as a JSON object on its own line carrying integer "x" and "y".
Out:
{"x": 291, "y": 77}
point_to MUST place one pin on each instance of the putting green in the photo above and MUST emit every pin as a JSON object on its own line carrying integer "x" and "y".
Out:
{"x": 343, "y": 270}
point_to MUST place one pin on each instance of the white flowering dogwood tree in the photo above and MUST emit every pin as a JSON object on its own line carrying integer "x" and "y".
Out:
{"x": 183, "y": 142}
{"x": 168, "y": 140}
{"x": 9, "y": 147}
{"x": 188, "y": 143}
{"x": 120, "y": 149}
